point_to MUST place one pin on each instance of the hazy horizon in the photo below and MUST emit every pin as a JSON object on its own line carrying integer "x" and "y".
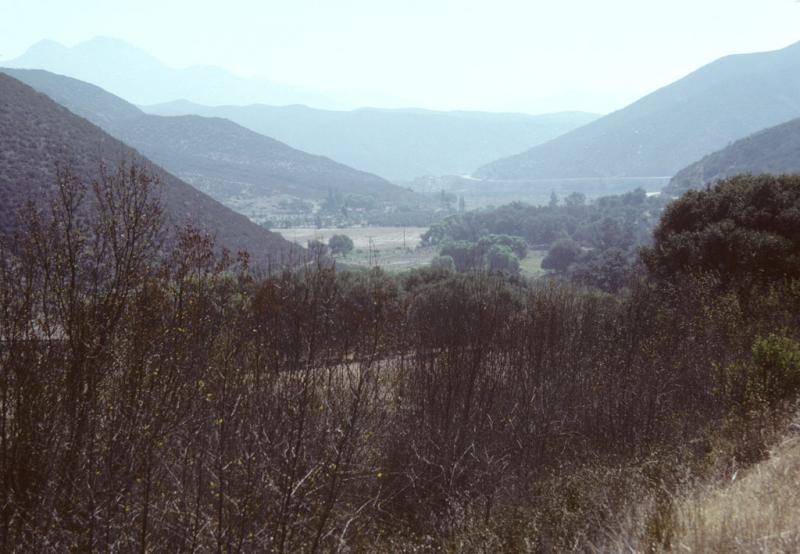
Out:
{"x": 446, "y": 55}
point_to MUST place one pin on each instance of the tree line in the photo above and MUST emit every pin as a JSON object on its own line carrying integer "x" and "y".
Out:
{"x": 589, "y": 243}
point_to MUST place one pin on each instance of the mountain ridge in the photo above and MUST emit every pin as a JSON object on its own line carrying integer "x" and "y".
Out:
{"x": 36, "y": 134}
{"x": 397, "y": 144}
{"x": 231, "y": 163}
{"x": 667, "y": 129}
{"x": 775, "y": 151}
{"x": 136, "y": 75}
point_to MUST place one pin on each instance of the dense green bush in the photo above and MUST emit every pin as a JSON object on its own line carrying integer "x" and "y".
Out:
{"x": 501, "y": 258}
{"x": 340, "y": 244}
{"x": 561, "y": 255}
{"x": 443, "y": 262}
{"x": 464, "y": 254}
{"x": 491, "y": 252}
{"x": 776, "y": 367}
{"x": 745, "y": 229}
{"x": 516, "y": 245}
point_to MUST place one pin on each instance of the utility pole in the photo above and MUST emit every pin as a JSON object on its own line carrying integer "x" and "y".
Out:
{"x": 371, "y": 245}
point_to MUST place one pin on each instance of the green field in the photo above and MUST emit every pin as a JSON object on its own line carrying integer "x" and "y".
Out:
{"x": 531, "y": 265}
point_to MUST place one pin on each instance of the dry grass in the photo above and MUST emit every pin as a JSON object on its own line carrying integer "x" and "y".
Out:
{"x": 753, "y": 510}
{"x": 758, "y": 511}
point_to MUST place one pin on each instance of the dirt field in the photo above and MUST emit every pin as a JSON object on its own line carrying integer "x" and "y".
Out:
{"x": 392, "y": 248}
{"x": 382, "y": 237}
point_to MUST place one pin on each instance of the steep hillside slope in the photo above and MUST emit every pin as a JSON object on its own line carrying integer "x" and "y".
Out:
{"x": 663, "y": 132}
{"x": 775, "y": 150}
{"x": 36, "y": 134}
{"x": 396, "y": 144}
{"x": 232, "y": 164}
{"x": 758, "y": 512}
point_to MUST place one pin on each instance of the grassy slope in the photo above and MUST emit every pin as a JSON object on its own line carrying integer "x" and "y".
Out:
{"x": 531, "y": 265}
{"x": 732, "y": 507}
{"x": 758, "y": 511}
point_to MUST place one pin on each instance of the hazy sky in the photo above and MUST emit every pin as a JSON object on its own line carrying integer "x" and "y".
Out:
{"x": 499, "y": 55}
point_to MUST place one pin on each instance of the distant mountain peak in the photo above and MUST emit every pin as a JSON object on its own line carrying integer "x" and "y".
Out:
{"x": 39, "y": 51}
{"x": 46, "y": 44}
{"x": 104, "y": 43}
{"x": 139, "y": 77}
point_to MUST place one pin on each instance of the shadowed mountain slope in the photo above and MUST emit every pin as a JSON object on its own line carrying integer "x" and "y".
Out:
{"x": 36, "y": 134}
{"x": 775, "y": 151}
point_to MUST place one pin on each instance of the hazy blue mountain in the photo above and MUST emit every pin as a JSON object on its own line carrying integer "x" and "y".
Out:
{"x": 672, "y": 127}
{"x": 775, "y": 151}
{"x": 241, "y": 168}
{"x": 36, "y": 134}
{"x": 399, "y": 145}
{"x": 135, "y": 75}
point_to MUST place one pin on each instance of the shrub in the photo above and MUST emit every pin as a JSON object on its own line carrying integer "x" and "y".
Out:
{"x": 340, "y": 244}
{"x": 745, "y": 229}
{"x": 561, "y": 255}
{"x": 776, "y": 370}
{"x": 463, "y": 253}
{"x": 443, "y": 262}
{"x": 317, "y": 249}
{"x": 501, "y": 258}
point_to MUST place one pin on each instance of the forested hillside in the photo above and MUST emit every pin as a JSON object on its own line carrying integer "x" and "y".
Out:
{"x": 775, "y": 151}
{"x": 37, "y": 136}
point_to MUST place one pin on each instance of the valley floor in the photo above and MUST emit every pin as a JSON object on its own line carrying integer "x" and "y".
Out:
{"x": 392, "y": 248}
